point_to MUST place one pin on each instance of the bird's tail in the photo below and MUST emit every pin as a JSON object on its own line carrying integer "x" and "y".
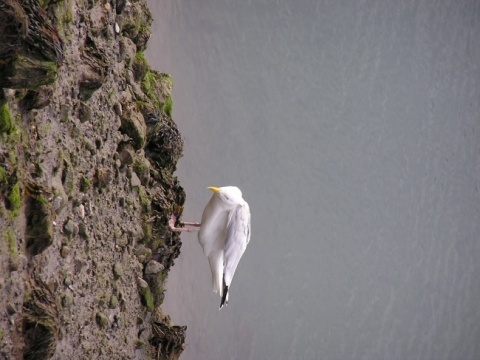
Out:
{"x": 225, "y": 295}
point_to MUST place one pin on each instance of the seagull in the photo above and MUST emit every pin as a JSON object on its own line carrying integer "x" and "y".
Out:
{"x": 224, "y": 235}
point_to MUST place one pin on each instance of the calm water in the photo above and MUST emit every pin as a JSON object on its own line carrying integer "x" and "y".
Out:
{"x": 353, "y": 129}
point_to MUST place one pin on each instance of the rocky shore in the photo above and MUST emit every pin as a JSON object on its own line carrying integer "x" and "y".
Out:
{"x": 88, "y": 149}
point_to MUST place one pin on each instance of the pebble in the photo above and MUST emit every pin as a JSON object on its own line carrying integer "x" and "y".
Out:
{"x": 117, "y": 270}
{"x": 64, "y": 251}
{"x": 83, "y": 231}
{"x": 81, "y": 211}
{"x": 101, "y": 319}
{"x": 67, "y": 301}
{"x": 135, "y": 180}
{"x": 11, "y": 309}
{"x": 70, "y": 228}
{"x": 113, "y": 303}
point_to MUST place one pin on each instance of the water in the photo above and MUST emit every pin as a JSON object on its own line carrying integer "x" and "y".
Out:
{"x": 353, "y": 130}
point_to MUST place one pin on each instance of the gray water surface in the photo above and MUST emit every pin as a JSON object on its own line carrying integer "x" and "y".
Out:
{"x": 353, "y": 130}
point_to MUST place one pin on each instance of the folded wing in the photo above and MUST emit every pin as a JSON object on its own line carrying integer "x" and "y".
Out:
{"x": 238, "y": 236}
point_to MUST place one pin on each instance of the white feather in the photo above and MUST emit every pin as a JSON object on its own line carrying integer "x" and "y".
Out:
{"x": 224, "y": 235}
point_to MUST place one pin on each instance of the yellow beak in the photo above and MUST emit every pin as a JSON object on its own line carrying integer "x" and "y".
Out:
{"x": 214, "y": 189}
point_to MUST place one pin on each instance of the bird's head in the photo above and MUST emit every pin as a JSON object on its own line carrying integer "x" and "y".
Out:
{"x": 228, "y": 194}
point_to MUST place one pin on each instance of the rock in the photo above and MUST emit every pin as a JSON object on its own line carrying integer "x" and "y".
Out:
{"x": 58, "y": 204}
{"x": 135, "y": 181}
{"x": 143, "y": 253}
{"x": 137, "y": 24}
{"x": 146, "y": 333}
{"x": 67, "y": 301}
{"x": 39, "y": 219}
{"x": 139, "y": 66}
{"x": 61, "y": 199}
{"x": 141, "y": 166}
{"x": 153, "y": 267}
{"x": 80, "y": 211}
{"x": 113, "y": 303}
{"x": 83, "y": 231}
{"x": 117, "y": 107}
{"x": 126, "y": 156}
{"x": 11, "y": 310}
{"x": 36, "y": 99}
{"x": 70, "y": 228}
{"x": 127, "y": 50}
{"x": 117, "y": 270}
{"x": 65, "y": 251}
{"x": 145, "y": 294}
{"x": 101, "y": 320}
{"x": 92, "y": 69}
{"x": 97, "y": 19}
{"x": 133, "y": 124}
{"x": 85, "y": 112}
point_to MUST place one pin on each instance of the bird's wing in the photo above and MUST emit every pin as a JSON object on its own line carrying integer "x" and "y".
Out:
{"x": 238, "y": 236}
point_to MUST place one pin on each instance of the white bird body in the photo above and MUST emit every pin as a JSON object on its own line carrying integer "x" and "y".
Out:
{"x": 224, "y": 235}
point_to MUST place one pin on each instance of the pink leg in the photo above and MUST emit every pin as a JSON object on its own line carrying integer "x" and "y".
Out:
{"x": 171, "y": 225}
{"x": 196, "y": 224}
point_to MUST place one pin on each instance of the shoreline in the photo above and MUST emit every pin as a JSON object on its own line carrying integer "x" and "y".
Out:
{"x": 88, "y": 151}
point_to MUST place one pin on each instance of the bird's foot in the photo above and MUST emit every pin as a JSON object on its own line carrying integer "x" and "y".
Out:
{"x": 172, "y": 227}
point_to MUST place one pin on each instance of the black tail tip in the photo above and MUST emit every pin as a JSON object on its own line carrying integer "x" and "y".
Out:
{"x": 224, "y": 297}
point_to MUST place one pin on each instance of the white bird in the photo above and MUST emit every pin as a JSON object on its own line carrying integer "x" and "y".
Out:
{"x": 224, "y": 235}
